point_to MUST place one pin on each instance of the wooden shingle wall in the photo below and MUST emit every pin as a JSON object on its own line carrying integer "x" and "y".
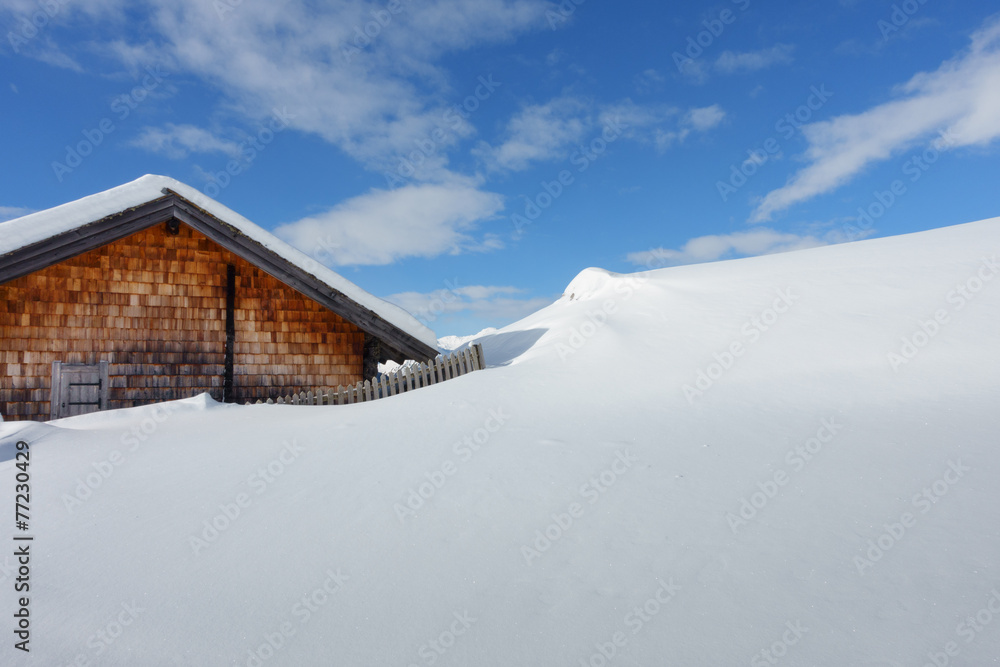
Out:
{"x": 153, "y": 305}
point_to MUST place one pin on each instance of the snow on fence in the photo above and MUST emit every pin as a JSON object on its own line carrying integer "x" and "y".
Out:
{"x": 403, "y": 379}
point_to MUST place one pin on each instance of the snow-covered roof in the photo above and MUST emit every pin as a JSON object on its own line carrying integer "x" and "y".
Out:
{"x": 37, "y": 227}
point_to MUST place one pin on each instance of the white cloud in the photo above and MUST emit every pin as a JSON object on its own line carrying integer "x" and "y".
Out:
{"x": 372, "y": 98}
{"x": 648, "y": 81}
{"x": 49, "y": 53}
{"x": 714, "y": 247}
{"x": 11, "y": 212}
{"x": 698, "y": 70}
{"x": 550, "y": 131}
{"x": 694, "y": 120}
{"x": 375, "y": 97}
{"x": 729, "y": 62}
{"x": 383, "y": 226}
{"x": 705, "y": 118}
{"x": 496, "y": 303}
{"x": 961, "y": 98}
{"x": 539, "y": 133}
{"x": 178, "y": 141}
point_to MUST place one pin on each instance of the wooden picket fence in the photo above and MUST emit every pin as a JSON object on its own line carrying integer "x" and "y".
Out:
{"x": 403, "y": 379}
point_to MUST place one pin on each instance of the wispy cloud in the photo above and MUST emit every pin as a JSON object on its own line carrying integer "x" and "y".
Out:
{"x": 736, "y": 62}
{"x": 383, "y": 226}
{"x": 48, "y": 52}
{"x": 11, "y": 212}
{"x": 178, "y": 141}
{"x": 700, "y": 119}
{"x": 705, "y": 118}
{"x": 857, "y": 47}
{"x": 730, "y": 62}
{"x": 648, "y": 81}
{"x": 551, "y": 131}
{"x": 540, "y": 132}
{"x": 374, "y": 98}
{"x": 714, "y": 247}
{"x": 495, "y": 303}
{"x": 373, "y": 102}
{"x": 961, "y": 99}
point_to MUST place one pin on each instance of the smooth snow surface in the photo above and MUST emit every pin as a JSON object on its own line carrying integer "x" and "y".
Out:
{"x": 39, "y": 226}
{"x": 812, "y": 501}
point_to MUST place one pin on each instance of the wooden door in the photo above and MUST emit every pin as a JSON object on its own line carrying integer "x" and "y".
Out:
{"x": 78, "y": 389}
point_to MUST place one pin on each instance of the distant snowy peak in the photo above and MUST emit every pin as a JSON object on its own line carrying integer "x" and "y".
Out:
{"x": 449, "y": 343}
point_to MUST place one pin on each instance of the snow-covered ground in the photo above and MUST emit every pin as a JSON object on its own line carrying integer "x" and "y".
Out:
{"x": 790, "y": 460}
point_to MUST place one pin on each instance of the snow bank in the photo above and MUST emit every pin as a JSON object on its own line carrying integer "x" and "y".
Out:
{"x": 719, "y": 464}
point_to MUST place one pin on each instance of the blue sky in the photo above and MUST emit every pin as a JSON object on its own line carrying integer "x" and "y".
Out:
{"x": 467, "y": 158}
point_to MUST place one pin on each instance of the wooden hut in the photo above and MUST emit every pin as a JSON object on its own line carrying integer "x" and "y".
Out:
{"x": 152, "y": 291}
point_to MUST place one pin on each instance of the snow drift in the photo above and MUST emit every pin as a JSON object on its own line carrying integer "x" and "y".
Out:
{"x": 788, "y": 459}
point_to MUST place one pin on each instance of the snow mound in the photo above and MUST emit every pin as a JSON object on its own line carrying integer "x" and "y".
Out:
{"x": 111, "y": 418}
{"x": 591, "y": 283}
{"x": 786, "y": 459}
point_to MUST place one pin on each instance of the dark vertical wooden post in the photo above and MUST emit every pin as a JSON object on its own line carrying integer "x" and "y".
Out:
{"x": 227, "y": 383}
{"x": 371, "y": 356}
